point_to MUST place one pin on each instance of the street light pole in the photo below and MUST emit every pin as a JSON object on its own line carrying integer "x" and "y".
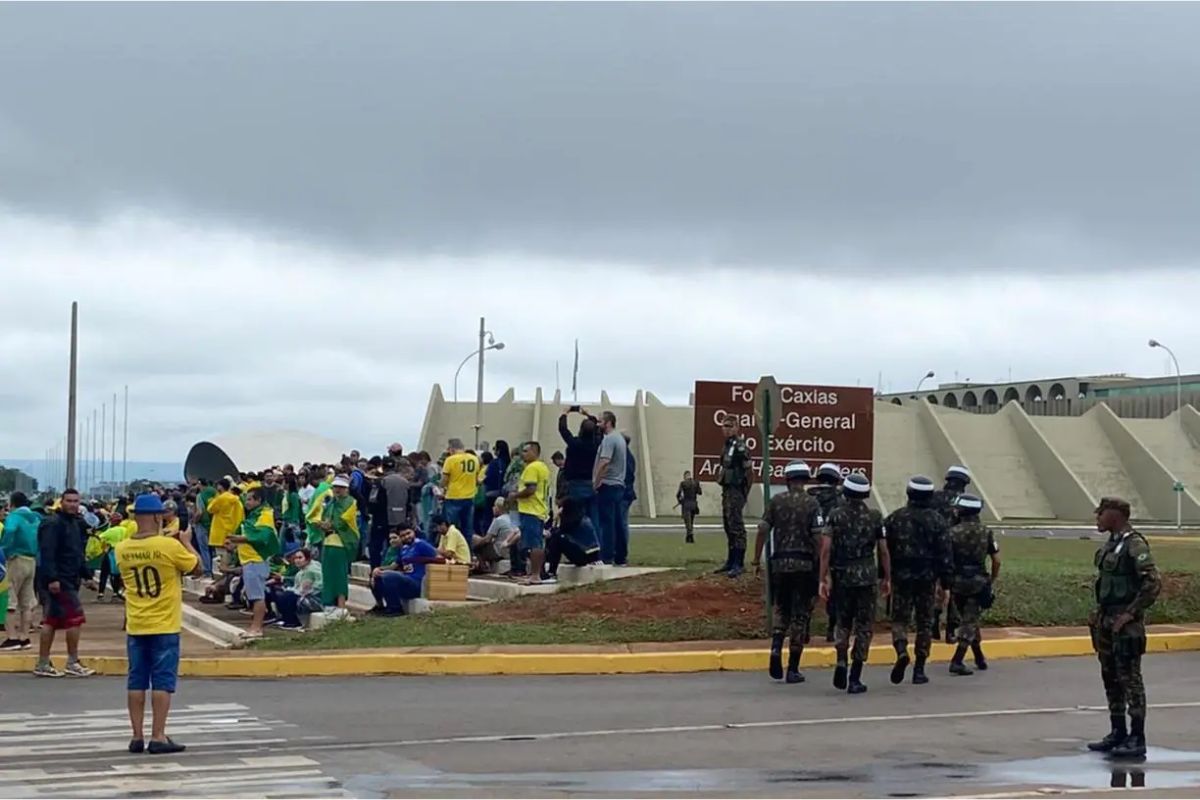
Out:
{"x": 924, "y": 378}
{"x": 1179, "y": 414}
{"x": 470, "y": 355}
{"x": 479, "y": 384}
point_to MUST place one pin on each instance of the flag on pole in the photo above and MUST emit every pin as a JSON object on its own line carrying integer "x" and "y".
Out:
{"x": 575, "y": 374}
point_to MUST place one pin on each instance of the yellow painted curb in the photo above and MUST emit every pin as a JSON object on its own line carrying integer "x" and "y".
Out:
{"x": 375, "y": 663}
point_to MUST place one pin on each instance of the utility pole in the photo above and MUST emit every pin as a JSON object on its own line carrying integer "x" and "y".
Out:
{"x": 69, "y": 477}
{"x": 92, "y": 478}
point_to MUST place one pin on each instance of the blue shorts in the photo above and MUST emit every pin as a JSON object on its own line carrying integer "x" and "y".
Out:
{"x": 254, "y": 580}
{"x": 532, "y": 535}
{"x": 153, "y": 661}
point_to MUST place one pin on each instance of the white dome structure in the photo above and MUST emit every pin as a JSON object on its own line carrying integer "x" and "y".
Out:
{"x": 253, "y": 452}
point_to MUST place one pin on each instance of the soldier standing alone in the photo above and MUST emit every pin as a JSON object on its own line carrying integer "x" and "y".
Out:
{"x": 687, "y": 498}
{"x": 972, "y": 590}
{"x": 827, "y": 493}
{"x": 919, "y": 543}
{"x": 792, "y": 519}
{"x": 1127, "y": 585}
{"x": 958, "y": 478}
{"x": 851, "y": 536}
{"x": 735, "y": 485}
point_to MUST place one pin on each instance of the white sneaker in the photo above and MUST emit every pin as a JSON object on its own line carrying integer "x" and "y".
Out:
{"x": 76, "y": 670}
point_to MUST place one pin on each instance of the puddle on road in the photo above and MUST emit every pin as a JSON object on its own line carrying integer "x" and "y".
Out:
{"x": 891, "y": 777}
{"x": 1161, "y": 769}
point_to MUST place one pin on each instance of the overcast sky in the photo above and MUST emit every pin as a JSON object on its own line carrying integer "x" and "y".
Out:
{"x": 292, "y": 216}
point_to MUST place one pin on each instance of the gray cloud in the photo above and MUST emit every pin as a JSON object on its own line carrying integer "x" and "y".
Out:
{"x": 880, "y": 137}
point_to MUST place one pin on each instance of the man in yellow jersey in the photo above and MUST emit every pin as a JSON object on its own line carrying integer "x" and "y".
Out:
{"x": 533, "y": 504}
{"x": 151, "y": 565}
{"x": 226, "y": 512}
{"x": 460, "y": 477}
{"x": 255, "y": 543}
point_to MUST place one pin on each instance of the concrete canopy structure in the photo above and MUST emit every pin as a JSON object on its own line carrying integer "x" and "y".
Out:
{"x": 1025, "y": 467}
{"x": 252, "y": 452}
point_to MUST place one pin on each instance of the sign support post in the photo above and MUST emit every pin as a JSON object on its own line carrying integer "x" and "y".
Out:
{"x": 767, "y": 402}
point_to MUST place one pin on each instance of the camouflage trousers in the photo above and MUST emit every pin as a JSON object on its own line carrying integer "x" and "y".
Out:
{"x": 855, "y": 613}
{"x": 969, "y": 612}
{"x": 1121, "y": 664}
{"x": 793, "y": 596}
{"x": 913, "y": 598}
{"x": 733, "y": 500}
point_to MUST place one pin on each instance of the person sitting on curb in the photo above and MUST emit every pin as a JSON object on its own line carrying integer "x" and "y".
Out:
{"x": 402, "y": 573}
{"x": 451, "y": 544}
{"x": 502, "y": 534}
{"x": 574, "y": 538}
{"x": 299, "y": 593}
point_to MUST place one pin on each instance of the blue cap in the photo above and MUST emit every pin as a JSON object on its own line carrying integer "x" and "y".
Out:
{"x": 148, "y": 504}
{"x": 292, "y": 547}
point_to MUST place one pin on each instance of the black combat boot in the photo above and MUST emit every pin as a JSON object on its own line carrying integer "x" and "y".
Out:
{"x": 977, "y": 650}
{"x": 1134, "y": 745}
{"x": 1115, "y": 736}
{"x": 901, "y": 665}
{"x": 919, "y": 672}
{"x": 839, "y": 672}
{"x": 690, "y": 539}
{"x": 957, "y": 667}
{"x": 793, "y": 670}
{"x": 728, "y": 562}
{"x": 856, "y": 685}
{"x": 776, "y": 665}
{"x": 937, "y": 624}
{"x": 737, "y": 562}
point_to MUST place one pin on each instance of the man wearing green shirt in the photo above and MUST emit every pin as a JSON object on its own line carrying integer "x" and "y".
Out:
{"x": 200, "y": 523}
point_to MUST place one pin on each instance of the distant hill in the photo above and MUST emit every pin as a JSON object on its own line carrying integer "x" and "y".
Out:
{"x": 160, "y": 471}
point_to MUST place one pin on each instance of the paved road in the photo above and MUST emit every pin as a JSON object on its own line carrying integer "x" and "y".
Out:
{"x": 1018, "y": 727}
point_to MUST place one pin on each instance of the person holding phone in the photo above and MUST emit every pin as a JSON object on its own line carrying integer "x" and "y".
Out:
{"x": 579, "y": 461}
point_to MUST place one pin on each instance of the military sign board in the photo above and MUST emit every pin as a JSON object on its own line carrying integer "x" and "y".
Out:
{"x": 815, "y": 424}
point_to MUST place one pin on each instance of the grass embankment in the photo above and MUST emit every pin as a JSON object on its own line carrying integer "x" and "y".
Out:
{"x": 1044, "y": 582}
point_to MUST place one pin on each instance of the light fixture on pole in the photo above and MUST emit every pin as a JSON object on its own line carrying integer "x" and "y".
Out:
{"x": 1178, "y": 487}
{"x": 494, "y": 345}
{"x": 924, "y": 378}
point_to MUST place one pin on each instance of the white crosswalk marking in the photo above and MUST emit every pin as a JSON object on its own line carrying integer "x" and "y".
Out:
{"x": 54, "y": 755}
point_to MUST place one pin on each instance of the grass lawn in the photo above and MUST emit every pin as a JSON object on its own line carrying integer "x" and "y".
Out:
{"x": 1043, "y": 582}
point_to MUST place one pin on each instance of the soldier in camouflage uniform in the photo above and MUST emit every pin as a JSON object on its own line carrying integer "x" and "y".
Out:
{"x": 852, "y": 535}
{"x": 734, "y": 478}
{"x": 792, "y": 519}
{"x": 828, "y": 493}
{"x": 972, "y": 543}
{"x": 957, "y": 480}
{"x": 918, "y": 541}
{"x": 1127, "y": 585}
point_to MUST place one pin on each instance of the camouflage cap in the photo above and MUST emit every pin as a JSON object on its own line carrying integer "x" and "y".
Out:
{"x": 1115, "y": 503}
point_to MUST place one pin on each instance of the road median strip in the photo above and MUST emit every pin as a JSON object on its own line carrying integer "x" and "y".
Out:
{"x": 541, "y": 662}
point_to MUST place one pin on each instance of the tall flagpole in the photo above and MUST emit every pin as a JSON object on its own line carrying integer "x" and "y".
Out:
{"x": 103, "y": 436}
{"x": 113, "y": 471}
{"x": 92, "y": 479}
{"x": 125, "y": 445}
{"x": 69, "y": 476}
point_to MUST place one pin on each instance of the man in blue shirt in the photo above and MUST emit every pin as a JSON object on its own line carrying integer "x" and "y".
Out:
{"x": 401, "y": 576}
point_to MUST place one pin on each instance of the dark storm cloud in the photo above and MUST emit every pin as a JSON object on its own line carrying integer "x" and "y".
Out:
{"x": 871, "y": 136}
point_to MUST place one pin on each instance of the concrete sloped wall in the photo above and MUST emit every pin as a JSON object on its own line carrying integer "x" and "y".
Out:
{"x": 1000, "y": 467}
{"x": 1086, "y": 449}
{"x": 1066, "y": 493}
{"x": 1191, "y": 424}
{"x": 902, "y": 449}
{"x": 1151, "y": 477}
{"x": 1024, "y": 467}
